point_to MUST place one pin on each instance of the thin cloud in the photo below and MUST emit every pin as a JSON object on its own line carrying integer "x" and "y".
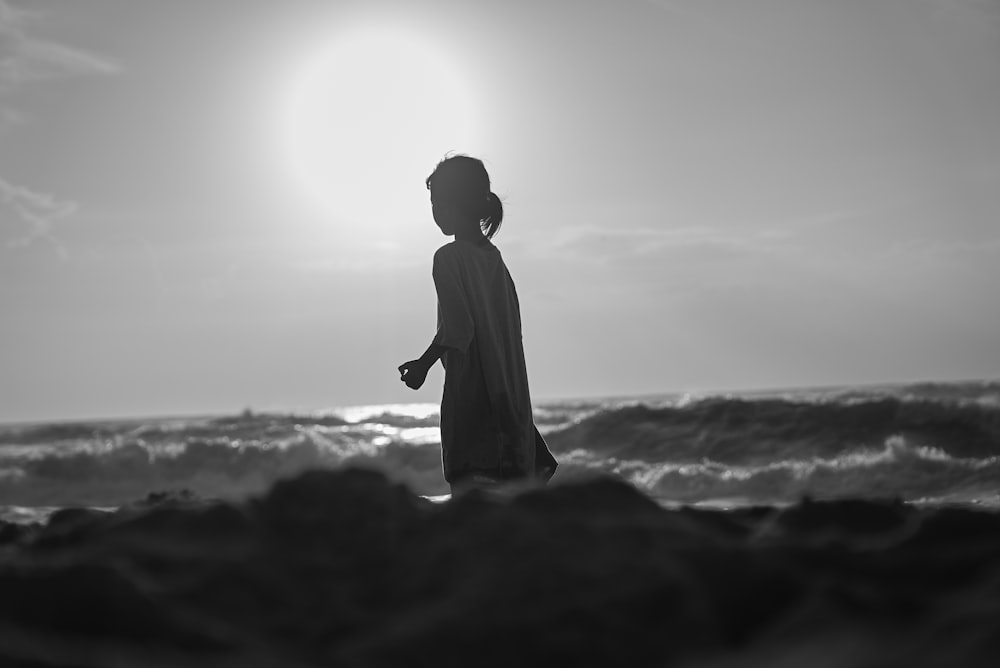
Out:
{"x": 26, "y": 58}
{"x": 32, "y": 60}
{"x": 936, "y": 250}
{"x": 596, "y": 242}
{"x": 35, "y": 211}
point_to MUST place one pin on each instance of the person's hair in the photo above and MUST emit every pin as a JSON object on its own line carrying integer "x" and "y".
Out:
{"x": 462, "y": 181}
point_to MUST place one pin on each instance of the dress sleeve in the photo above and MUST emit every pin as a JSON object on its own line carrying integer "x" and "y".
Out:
{"x": 455, "y": 326}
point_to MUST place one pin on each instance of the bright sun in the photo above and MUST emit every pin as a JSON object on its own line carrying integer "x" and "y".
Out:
{"x": 366, "y": 118}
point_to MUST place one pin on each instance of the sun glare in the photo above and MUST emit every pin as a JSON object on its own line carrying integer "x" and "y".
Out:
{"x": 365, "y": 119}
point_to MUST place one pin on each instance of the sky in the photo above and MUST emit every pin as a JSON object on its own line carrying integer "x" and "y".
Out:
{"x": 209, "y": 205}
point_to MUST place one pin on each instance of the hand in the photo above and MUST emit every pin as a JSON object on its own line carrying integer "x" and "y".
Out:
{"x": 413, "y": 373}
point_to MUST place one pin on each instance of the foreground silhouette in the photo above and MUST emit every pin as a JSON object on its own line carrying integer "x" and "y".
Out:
{"x": 487, "y": 431}
{"x": 345, "y": 568}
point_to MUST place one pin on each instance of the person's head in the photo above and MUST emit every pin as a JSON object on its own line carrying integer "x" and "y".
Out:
{"x": 460, "y": 194}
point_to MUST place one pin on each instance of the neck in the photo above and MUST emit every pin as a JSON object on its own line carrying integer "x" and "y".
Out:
{"x": 471, "y": 233}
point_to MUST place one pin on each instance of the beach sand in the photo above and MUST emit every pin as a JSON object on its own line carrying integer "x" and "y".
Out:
{"x": 344, "y": 568}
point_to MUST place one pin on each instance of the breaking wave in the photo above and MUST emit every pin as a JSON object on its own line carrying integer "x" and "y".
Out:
{"x": 928, "y": 441}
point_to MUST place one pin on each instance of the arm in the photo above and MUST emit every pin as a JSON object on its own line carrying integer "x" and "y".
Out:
{"x": 455, "y": 327}
{"x": 414, "y": 372}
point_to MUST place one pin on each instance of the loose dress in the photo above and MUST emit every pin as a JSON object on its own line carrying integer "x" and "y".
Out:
{"x": 486, "y": 421}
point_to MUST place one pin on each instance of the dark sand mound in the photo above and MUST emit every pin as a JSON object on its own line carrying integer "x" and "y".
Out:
{"x": 346, "y": 569}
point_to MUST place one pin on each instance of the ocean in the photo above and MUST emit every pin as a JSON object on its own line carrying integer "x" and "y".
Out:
{"x": 923, "y": 443}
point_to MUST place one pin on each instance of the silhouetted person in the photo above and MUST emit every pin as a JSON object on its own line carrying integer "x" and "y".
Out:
{"x": 488, "y": 434}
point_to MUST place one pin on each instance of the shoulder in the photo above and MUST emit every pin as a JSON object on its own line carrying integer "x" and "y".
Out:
{"x": 454, "y": 254}
{"x": 446, "y": 253}
{"x": 446, "y": 258}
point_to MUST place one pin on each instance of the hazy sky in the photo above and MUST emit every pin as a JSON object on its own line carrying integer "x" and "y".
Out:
{"x": 213, "y": 204}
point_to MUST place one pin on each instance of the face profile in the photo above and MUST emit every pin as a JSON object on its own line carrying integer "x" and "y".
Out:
{"x": 444, "y": 216}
